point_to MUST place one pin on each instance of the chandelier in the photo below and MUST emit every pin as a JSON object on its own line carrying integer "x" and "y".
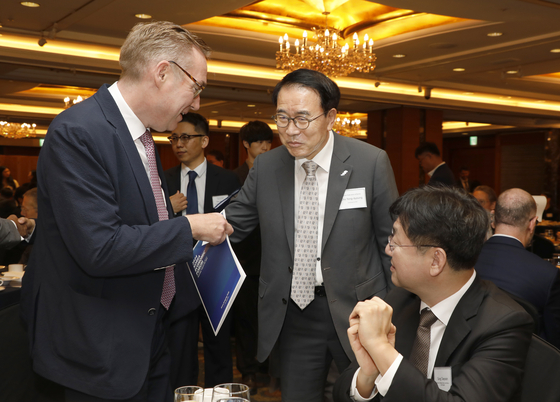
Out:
{"x": 67, "y": 100}
{"x": 17, "y": 130}
{"x": 327, "y": 55}
{"x": 346, "y": 126}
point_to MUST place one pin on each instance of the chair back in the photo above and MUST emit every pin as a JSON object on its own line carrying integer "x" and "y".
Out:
{"x": 541, "y": 381}
{"x": 529, "y": 308}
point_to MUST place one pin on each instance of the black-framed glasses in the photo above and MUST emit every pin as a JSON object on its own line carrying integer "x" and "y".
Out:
{"x": 393, "y": 245}
{"x": 185, "y": 138}
{"x": 198, "y": 87}
{"x": 300, "y": 122}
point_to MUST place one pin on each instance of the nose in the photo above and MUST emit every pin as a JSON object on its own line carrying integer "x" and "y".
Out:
{"x": 195, "y": 105}
{"x": 388, "y": 249}
{"x": 292, "y": 128}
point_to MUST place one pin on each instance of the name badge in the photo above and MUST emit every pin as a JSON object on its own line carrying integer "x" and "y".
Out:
{"x": 442, "y": 376}
{"x": 217, "y": 198}
{"x": 354, "y": 198}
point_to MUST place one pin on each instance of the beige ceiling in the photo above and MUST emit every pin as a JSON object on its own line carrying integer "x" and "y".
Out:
{"x": 435, "y": 35}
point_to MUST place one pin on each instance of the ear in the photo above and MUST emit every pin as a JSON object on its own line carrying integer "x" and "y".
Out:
{"x": 246, "y": 144}
{"x": 161, "y": 72}
{"x": 439, "y": 261}
{"x": 331, "y": 117}
{"x": 205, "y": 141}
{"x": 532, "y": 224}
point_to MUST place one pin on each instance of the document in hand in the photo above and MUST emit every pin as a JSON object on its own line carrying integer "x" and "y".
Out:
{"x": 218, "y": 276}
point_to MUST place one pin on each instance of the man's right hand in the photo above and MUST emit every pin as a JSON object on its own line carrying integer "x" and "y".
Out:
{"x": 25, "y": 226}
{"x": 212, "y": 228}
{"x": 178, "y": 202}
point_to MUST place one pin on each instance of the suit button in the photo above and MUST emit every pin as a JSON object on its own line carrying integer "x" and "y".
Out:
{"x": 151, "y": 311}
{"x": 284, "y": 301}
{"x": 291, "y": 269}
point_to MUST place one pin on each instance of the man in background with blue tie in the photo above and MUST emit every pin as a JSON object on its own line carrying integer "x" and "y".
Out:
{"x": 442, "y": 334}
{"x": 108, "y": 263}
{"x": 197, "y": 186}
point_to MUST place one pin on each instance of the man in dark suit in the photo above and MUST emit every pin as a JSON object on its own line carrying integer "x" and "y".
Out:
{"x": 474, "y": 346}
{"x": 505, "y": 261}
{"x": 211, "y": 184}
{"x": 335, "y": 191}
{"x": 108, "y": 262}
{"x": 430, "y": 160}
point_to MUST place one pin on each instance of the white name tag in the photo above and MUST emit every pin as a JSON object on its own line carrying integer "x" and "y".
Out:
{"x": 217, "y": 198}
{"x": 442, "y": 376}
{"x": 354, "y": 198}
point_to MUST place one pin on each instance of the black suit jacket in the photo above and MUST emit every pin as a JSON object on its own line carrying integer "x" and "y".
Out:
{"x": 219, "y": 181}
{"x": 505, "y": 262}
{"x": 443, "y": 175}
{"x": 485, "y": 344}
{"x": 91, "y": 292}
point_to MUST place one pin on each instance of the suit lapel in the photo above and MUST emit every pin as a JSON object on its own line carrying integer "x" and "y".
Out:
{"x": 285, "y": 177}
{"x": 339, "y": 175}
{"x": 458, "y": 327}
{"x": 211, "y": 187}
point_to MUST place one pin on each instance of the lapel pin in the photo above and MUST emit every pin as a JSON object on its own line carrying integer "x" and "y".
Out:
{"x": 344, "y": 173}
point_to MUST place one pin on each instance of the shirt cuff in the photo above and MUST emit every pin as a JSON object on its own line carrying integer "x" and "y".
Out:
{"x": 383, "y": 383}
{"x": 355, "y": 395}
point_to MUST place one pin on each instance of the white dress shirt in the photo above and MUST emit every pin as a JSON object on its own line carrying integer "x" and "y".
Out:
{"x": 323, "y": 159}
{"x": 431, "y": 172}
{"x": 443, "y": 311}
{"x": 200, "y": 183}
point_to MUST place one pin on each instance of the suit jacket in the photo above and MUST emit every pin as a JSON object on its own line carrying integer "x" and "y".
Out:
{"x": 219, "y": 181}
{"x": 485, "y": 344}
{"x": 355, "y": 266}
{"x": 9, "y": 235}
{"x": 443, "y": 175}
{"x": 91, "y": 292}
{"x": 505, "y": 262}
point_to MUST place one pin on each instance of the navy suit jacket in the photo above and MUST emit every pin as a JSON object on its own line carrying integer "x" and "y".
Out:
{"x": 91, "y": 292}
{"x": 505, "y": 262}
{"x": 485, "y": 344}
{"x": 219, "y": 181}
{"x": 443, "y": 175}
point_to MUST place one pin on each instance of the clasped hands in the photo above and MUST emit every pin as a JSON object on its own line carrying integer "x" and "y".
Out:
{"x": 24, "y": 226}
{"x": 372, "y": 337}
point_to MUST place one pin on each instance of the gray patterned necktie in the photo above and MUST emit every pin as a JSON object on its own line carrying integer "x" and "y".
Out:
{"x": 305, "y": 255}
{"x": 421, "y": 349}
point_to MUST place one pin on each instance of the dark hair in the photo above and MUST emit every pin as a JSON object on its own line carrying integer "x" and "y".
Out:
{"x": 328, "y": 91}
{"x": 465, "y": 168}
{"x": 217, "y": 154}
{"x": 256, "y": 131}
{"x": 33, "y": 180}
{"x": 446, "y": 217}
{"x": 7, "y": 192}
{"x": 514, "y": 208}
{"x": 198, "y": 121}
{"x": 429, "y": 147}
{"x": 9, "y": 180}
{"x": 489, "y": 192}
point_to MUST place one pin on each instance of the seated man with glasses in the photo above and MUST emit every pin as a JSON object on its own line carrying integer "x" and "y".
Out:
{"x": 443, "y": 334}
{"x": 322, "y": 201}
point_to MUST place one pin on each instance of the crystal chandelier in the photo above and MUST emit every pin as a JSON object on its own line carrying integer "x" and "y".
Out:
{"x": 17, "y": 130}
{"x": 327, "y": 55}
{"x": 67, "y": 100}
{"x": 343, "y": 125}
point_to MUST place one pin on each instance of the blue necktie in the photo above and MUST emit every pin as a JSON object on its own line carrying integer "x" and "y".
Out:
{"x": 192, "y": 196}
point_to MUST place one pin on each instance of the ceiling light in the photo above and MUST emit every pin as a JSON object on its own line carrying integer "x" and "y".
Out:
{"x": 512, "y": 71}
{"x": 494, "y": 34}
{"x": 541, "y": 101}
{"x": 214, "y": 111}
{"x": 399, "y": 56}
{"x": 251, "y": 105}
{"x": 29, "y": 4}
{"x": 143, "y": 16}
{"x": 555, "y": 51}
{"x": 459, "y": 69}
{"x": 468, "y": 93}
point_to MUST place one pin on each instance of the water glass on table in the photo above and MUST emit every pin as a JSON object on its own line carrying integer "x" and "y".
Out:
{"x": 229, "y": 391}
{"x": 189, "y": 393}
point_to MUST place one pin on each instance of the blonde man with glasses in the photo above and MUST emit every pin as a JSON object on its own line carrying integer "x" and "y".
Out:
{"x": 108, "y": 264}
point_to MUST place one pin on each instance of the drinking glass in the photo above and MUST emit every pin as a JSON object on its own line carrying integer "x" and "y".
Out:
{"x": 189, "y": 393}
{"x": 223, "y": 391}
{"x": 233, "y": 399}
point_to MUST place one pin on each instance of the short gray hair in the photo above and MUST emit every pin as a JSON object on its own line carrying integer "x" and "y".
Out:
{"x": 155, "y": 41}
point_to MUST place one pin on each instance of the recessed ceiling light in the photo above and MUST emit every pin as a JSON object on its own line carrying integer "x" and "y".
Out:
{"x": 505, "y": 97}
{"x": 494, "y": 34}
{"x": 29, "y": 4}
{"x": 399, "y": 56}
{"x": 143, "y": 16}
{"x": 468, "y": 93}
{"x": 214, "y": 111}
{"x": 251, "y": 105}
{"x": 555, "y": 51}
{"x": 459, "y": 69}
{"x": 512, "y": 71}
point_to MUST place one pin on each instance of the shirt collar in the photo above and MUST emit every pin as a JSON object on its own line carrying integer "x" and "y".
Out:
{"x": 200, "y": 169}
{"x": 431, "y": 172}
{"x": 444, "y": 309}
{"x": 505, "y": 235}
{"x": 135, "y": 126}
{"x": 323, "y": 158}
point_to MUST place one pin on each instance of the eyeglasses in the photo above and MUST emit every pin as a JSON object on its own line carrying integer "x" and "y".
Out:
{"x": 198, "y": 87}
{"x": 184, "y": 138}
{"x": 300, "y": 122}
{"x": 392, "y": 246}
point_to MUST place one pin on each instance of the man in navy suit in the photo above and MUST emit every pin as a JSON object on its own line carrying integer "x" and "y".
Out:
{"x": 430, "y": 160}
{"x": 477, "y": 340}
{"x": 212, "y": 184}
{"x": 93, "y": 297}
{"x": 505, "y": 261}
